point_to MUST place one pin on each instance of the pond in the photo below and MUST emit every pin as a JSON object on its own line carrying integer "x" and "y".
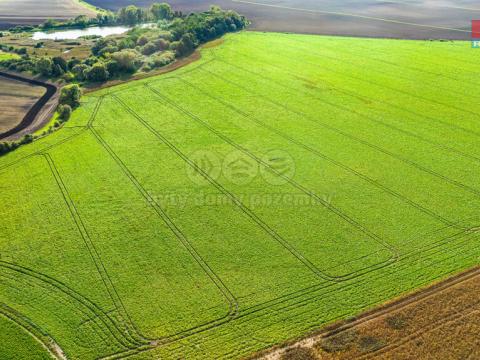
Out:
{"x": 76, "y": 33}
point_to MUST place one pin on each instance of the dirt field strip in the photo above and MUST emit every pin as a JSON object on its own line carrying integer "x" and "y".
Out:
{"x": 37, "y": 111}
{"x": 338, "y": 13}
{"x": 371, "y": 316}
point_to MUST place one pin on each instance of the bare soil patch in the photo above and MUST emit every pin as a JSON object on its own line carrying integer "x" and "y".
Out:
{"x": 16, "y": 98}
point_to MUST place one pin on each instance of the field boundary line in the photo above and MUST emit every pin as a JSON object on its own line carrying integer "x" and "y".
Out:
{"x": 305, "y": 301}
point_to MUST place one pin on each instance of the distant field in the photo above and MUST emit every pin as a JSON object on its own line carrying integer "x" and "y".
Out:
{"x": 280, "y": 183}
{"x": 411, "y": 19}
{"x": 34, "y": 12}
{"x": 16, "y": 98}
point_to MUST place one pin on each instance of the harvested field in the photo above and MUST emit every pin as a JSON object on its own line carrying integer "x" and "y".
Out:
{"x": 14, "y": 12}
{"x": 438, "y": 323}
{"x": 16, "y": 98}
{"x": 277, "y": 184}
{"x": 416, "y": 19}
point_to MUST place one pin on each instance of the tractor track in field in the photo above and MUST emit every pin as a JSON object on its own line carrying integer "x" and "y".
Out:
{"x": 233, "y": 305}
{"x": 370, "y": 100}
{"x": 356, "y": 139}
{"x": 426, "y": 100}
{"x": 202, "y": 327}
{"x": 230, "y": 195}
{"x": 87, "y": 304}
{"x": 375, "y": 69}
{"x": 148, "y": 347}
{"x": 319, "y": 154}
{"x": 414, "y": 298}
{"x": 132, "y": 332}
{"x": 34, "y": 331}
{"x": 36, "y": 109}
{"x": 391, "y": 63}
{"x": 310, "y": 292}
{"x": 329, "y": 207}
{"x": 342, "y": 91}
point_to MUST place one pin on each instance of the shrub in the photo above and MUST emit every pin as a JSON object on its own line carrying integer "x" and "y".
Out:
{"x": 396, "y": 322}
{"x": 64, "y": 112}
{"x": 142, "y": 40}
{"x": 27, "y": 139}
{"x": 161, "y": 11}
{"x": 113, "y": 68}
{"x": 162, "y": 44}
{"x": 68, "y": 76}
{"x": 79, "y": 71}
{"x": 6, "y": 147}
{"x": 163, "y": 59}
{"x": 128, "y": 60}
{"x": 70, "y": 95}
{"x": 370, "y": 344}
{"x": 338, "y": 342}
{"x": 298, "y": 353}
{"x": 97, "y": 73}
{"x": 44, "y": 66}
{"x": 149, "y": 49}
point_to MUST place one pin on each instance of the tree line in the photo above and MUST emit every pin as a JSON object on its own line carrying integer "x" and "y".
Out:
{"x": 174, "y": 35}
{"x": 142, "y": 48}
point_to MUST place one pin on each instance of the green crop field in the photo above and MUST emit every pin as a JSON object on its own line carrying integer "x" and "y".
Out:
{"x": 278, "y": 184}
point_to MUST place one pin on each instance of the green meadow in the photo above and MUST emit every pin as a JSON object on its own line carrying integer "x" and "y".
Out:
{"x": 276, "y": 185}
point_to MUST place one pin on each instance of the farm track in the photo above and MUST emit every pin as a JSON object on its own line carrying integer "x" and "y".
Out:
{"x": 359, "y": 140}
{"x": 299, "y": 302}
{"x": 300, "y": 187}
{"x": 33, "y": 112}
{"x": 20, "y": 285}
{"x": 146, "y": 348}
{"x": 300, "y": 293}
